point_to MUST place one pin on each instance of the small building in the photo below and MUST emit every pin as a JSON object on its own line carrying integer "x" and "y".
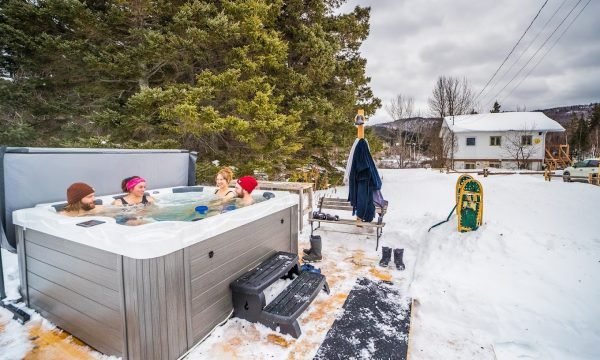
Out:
{"x": 509, "y": 140}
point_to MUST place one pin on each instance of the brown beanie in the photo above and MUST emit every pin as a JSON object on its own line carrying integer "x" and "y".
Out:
{"x": 78, "y": 191}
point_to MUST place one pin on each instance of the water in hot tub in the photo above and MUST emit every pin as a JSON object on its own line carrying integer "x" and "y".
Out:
{"x": 190, "y": 206}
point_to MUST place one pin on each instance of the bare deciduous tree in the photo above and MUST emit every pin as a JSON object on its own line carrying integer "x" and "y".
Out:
{"x": 401, "y": 107}
{"x": 521, "y": 108}
{"x": 401, "y": 110}
{"x": 451, "y": 96}
{"x": 519, "y": 146}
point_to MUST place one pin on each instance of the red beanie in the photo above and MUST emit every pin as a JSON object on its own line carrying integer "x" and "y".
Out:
{"x": 247, "y": 183}
{"x": 78, "y": 191}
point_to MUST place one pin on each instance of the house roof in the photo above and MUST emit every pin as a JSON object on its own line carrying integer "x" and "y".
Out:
{"x": 506, "y": 121}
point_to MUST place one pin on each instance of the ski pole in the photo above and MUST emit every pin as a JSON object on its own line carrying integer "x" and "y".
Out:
{"x": 445, "y": 221}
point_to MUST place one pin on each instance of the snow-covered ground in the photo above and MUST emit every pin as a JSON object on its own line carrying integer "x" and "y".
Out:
{"x": 526, "y": 285}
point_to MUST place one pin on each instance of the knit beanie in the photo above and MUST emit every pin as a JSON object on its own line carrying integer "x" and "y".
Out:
{"x": 78, "y": 191}
{"x": 247, "y": 183}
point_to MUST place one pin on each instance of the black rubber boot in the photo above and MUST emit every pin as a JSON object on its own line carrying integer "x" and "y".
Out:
{"x": 387, "y": 256}
{"x": 398, "y": 253}
{"x": 314, "y": 254}
{"x": 307, "y": 251}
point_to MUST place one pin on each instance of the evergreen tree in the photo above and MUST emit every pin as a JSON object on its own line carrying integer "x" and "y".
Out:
{"x": 578, "y": 136}
{"x": 496, "y": 108}
{"x": 595, "y": 117}
{"x": 253, "y": 83}
{"x": 594, "y": 130}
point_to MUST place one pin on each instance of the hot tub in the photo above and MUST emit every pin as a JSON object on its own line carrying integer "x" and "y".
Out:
{"x": 150, "y": 291}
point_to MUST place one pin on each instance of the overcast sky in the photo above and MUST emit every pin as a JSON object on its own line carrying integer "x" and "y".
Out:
{"x": 413, "y": 42}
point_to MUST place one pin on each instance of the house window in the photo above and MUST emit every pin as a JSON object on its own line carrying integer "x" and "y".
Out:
{"x": 495, "y": 165}
{"x": 471, "y": 141}
{"x": 526, "y": 140}
{"x": 495, "y": 140}
{"x": 469, "y": 166}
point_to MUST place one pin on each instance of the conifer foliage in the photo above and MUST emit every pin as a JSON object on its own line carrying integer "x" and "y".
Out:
{"x": 254, "y": 83}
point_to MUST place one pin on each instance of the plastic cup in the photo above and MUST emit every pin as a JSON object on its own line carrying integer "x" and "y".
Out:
{"x": 202, "y": 209}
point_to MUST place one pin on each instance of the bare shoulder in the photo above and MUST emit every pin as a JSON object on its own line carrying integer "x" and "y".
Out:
{"x": 117, "y": 202}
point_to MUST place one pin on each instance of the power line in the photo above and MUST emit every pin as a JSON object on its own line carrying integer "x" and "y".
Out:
{"x": 546, "y": 53}
{"x": 511, "y": 51}
{"x": 538, "y": 50}
{"x": 523, "y": 53}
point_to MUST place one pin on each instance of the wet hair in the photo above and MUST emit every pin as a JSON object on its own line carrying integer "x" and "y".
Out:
{"x": 74, "y": 207}
{"x": 125, "y": 181}
{"x": 226, "y": 173}
{"x": 77, "y": 207}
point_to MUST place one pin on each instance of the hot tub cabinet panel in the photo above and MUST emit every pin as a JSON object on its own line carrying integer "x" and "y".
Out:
{"x": 155, "y": 305}
{"x": 150, "y": 308}
{"x": 75, "y": 286}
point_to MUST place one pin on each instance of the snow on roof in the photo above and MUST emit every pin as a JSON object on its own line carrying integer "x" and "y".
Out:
{"x": 507, "y": 121}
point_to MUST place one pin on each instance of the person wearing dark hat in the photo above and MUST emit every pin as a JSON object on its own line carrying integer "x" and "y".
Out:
{"x": 80, "y": 200}
{"x": 243, "y": 189}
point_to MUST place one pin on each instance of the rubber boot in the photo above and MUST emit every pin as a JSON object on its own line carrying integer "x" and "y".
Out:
{"x": 387, "y": 256}
{"x": 315, "y": 250}
{"x": 307, "y": 251}
{"x": 398, "y": 253}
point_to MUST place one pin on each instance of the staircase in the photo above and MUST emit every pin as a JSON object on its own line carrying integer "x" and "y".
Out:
{"x": 557, "y": 157}
{"x": 249, "y": 299}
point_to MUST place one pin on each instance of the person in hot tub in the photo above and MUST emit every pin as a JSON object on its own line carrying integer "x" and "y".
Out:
{"x": 135, "y": 187}
{"x": 80, "y": 201}
{"x": 244, "y": 188}
{"x": 222, "y": 180}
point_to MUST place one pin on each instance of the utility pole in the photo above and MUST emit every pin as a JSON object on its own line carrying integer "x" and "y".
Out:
{"x": 452, "y": 151}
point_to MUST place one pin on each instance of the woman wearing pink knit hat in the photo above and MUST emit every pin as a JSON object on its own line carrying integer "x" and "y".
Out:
{"x": 135, "y": 187}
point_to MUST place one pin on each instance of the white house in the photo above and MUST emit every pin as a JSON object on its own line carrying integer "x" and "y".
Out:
{"x": 509, "y": 140}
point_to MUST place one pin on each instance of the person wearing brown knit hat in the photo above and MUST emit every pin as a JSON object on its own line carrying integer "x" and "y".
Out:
{"x": 80, "y": 200}
{"x": 243, "y": 189}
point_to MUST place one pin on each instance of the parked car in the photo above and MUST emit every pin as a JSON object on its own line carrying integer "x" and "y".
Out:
{"x": 581, "y": 170}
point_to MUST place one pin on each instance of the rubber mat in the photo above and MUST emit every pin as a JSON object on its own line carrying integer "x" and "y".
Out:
{"x": 374, "y": 325}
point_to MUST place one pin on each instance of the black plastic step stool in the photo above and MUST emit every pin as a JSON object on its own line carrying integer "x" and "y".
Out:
{"x": 283, "y": 311}
{"x": 249, "y": 299}
{"x": 248, "y": 296}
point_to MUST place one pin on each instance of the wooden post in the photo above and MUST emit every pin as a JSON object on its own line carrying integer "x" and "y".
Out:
{"x": 360, "y": 115}
{"x": 548, "y": 171}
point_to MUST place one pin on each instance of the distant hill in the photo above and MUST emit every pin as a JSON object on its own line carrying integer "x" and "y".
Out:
{"x": 387, "y": 131}
{"x": 564, "y": 114}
